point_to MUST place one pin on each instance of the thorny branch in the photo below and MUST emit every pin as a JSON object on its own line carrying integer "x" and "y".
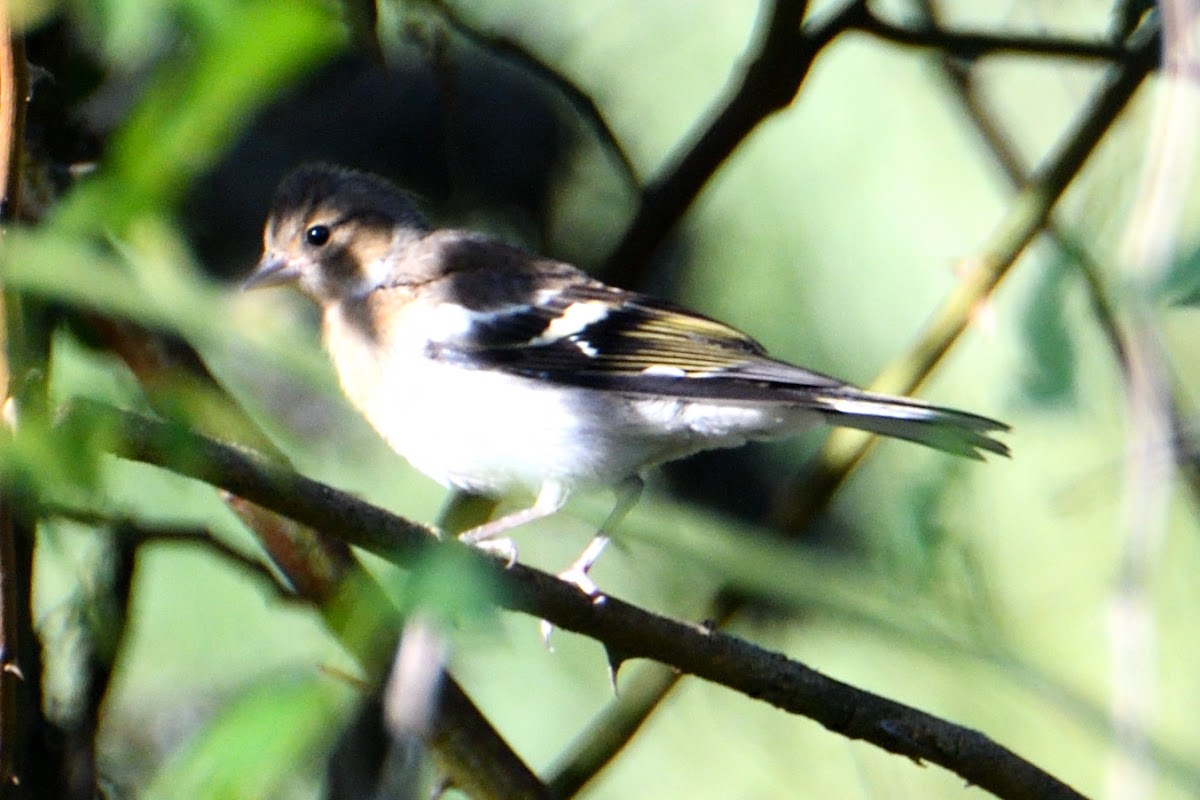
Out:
{"x": 609, "y": 732}
{"x": 770, "y": 83}
{"x": 622, "y": 628}
{"x": 319, "y": 568}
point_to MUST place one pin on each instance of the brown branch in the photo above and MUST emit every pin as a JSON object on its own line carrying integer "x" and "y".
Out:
{"x": 641, "y": 695}
{"x": 320, "y": 568}
{"x": 1027, "y": 216}
{"x": 976, "y": 44}
{"x": 31, "y": 758}
{"x": 14, "y": 87}
{"x": 623, "y": 628}
{"x": 776, "y": 66}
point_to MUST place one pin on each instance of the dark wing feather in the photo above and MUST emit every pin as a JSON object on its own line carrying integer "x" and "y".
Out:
{"x": 629, "y": 342}
{"x": 586, "y": 334}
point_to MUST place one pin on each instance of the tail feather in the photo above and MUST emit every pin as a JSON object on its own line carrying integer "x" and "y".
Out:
{"x": 957, "y": 432}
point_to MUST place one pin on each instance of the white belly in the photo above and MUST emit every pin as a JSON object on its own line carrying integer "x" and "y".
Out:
{"x": 492, "y": 433}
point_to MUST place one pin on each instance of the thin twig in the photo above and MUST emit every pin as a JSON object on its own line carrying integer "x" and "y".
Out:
{"x": 14, "y": 87}
{"x": 642, "y": 693}
{"x": 973, "y": 44}
{"x": 777, "y": 67}
{"x": 1027, "y": 215}
{"x": 134, "y": 533}
{"x": 580, "y": 101}
{"x": 776, "y": 64}
{"x": 321, "y": 569}
{"x": 623, "y": 628}
{"x": 958, "y": 74}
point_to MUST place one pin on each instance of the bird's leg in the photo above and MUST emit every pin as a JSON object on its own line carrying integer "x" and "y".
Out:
{"x": 577, "y": 573}
{"x": 550, "y": 499}
{"x": 628, "y": 493}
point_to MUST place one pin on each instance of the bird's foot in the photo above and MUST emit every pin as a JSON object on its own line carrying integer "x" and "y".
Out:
{"x": 577, "y": 575}
{"x": 502, "y": 548}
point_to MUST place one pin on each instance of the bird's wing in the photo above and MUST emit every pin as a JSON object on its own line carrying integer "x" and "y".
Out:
{"x": 580, "y": 332}
{"x": 583, "y": 333}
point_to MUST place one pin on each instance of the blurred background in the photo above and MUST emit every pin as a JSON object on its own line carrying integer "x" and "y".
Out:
{"x": 1047, "y": 601}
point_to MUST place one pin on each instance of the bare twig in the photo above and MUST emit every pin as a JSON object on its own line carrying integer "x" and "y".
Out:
{"x": 623, "y": 628}
{"x": 320, "y": 568}
{"x": 14, "y": 86}
{"x": 515, "y": 52}
{"x": 776, "y": 65}
{"x": 958, "y": 74}
{"x": 776, "y": 68}
{"x": 972, "y": 44}
{"x": 1027, "y": 215}
{"x": 135, "y": 533}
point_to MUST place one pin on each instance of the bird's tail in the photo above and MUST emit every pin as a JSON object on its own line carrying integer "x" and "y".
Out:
{"x": 957, "y": 432}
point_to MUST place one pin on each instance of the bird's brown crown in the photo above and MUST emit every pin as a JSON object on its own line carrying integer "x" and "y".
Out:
{"x": 333, "y": 230}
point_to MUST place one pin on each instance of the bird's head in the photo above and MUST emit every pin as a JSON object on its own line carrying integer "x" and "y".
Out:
{"x": 336, "y": 232}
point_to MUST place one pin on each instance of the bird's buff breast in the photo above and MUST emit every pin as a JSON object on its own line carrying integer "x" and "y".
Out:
{"x": 491, "y": 432}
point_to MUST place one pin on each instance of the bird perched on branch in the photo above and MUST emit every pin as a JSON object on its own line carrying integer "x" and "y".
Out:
{"x": 492, "y": 369}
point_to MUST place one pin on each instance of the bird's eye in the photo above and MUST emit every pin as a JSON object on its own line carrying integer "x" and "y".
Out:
{"x": 317, "y": 235}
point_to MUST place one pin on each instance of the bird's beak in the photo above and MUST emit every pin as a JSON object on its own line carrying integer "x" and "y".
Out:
{"x": 272, "y": 270}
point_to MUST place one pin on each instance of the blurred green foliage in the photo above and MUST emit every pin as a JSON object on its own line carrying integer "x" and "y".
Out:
{"x": 981, "y": 593}
{"x": 267, "y": 742}
{"x": 1050, "y": 377}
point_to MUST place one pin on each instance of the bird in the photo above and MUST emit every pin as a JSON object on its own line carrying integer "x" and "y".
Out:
{"x": 495, "y": 370}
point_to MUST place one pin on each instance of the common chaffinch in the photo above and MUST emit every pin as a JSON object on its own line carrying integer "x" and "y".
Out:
{"x": 492, "y": 369}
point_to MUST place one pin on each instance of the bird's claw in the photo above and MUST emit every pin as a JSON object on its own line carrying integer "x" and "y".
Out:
{"x": 503, "y": 548}
{"x": 577, "y": 576}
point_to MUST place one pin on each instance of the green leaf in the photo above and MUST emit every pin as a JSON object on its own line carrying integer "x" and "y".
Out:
{"x": 1050, "y": 376}
{"x": 48, "y": 457}
{"x": 1181, "y": 286}
{"x": 452, "y": 585}
{"x": 192, "y": 111}
{"x": 150, "y": 282}
{"x": 260, "y": 743}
